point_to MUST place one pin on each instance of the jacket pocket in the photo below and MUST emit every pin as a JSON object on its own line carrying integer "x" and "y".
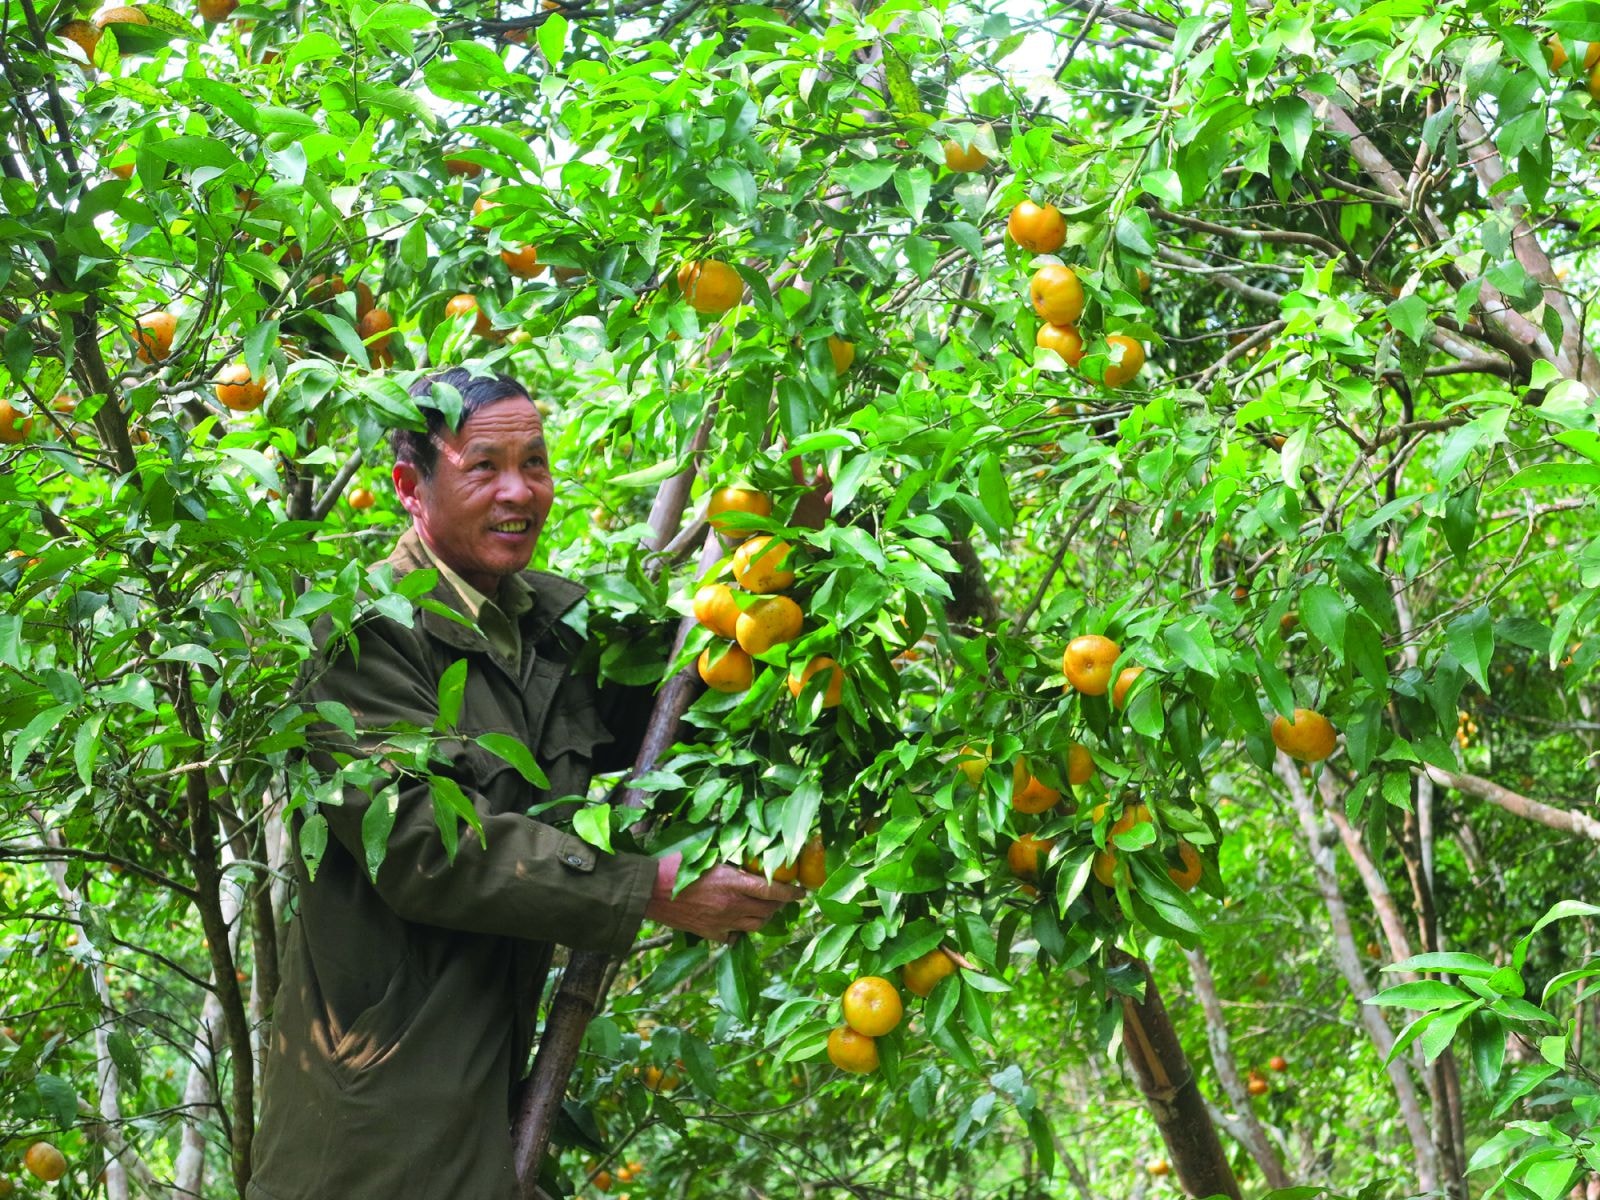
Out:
{"x": 374, "y": 1036}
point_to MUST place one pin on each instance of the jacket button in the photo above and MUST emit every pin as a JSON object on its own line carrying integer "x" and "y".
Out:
{"x": 574, "y": 860}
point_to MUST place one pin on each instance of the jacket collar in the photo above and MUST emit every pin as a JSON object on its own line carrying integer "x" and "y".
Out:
{"x": 552, "y": 596}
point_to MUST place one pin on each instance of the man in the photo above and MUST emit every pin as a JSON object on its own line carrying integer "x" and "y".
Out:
{"x": 406, "y": 1012}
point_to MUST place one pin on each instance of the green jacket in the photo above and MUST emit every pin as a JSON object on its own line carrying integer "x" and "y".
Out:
{"x": 406, "y": 1013}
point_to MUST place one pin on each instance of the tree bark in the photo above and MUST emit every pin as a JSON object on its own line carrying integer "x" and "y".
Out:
{"x": 1394, "y": 930}
{"x": 1170, "y": 1091}
{"x": 1516, "y": 804}
{"x": 1348, "y": 961}
{"x": 1248, "y": 1128}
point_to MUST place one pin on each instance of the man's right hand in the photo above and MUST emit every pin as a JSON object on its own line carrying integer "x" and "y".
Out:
{"x": 722, "y": 902}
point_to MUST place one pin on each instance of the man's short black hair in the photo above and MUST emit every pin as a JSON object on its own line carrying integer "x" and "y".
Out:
{"x": 421, "y": 449}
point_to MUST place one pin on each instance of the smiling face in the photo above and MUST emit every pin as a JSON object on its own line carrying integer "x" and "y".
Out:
{"x": 482, "y": 509}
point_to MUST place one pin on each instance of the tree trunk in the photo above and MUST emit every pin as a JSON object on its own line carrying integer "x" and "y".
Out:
{"x": 1170, "y": 1091}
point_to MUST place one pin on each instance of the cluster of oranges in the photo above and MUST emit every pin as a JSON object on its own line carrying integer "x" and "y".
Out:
{"x": 1057, "y": 295}
{"x": 1087, "y": 664}
{"x": 756, "y": 617}
{"x": 712, "y": 287}
{"x": 872, "y": 1007}
{"x": 1466, "y": 728}
{"x": 603, "y": 1179}
{"x": 1557, "y": 55}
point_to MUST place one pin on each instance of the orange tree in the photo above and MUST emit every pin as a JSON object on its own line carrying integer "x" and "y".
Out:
{"x": 1289, "y": 398}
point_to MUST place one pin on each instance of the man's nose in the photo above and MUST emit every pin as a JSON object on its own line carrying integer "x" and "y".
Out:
{"x": 514, "y": 488}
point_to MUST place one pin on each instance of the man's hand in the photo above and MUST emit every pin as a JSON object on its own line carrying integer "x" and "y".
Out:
{"x": 722, "y": 902}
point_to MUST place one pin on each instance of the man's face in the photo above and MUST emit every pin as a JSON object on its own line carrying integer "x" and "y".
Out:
{"x": 483, "y": 508}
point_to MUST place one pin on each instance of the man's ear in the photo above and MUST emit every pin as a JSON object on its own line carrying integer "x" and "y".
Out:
{"x": 407, "y": 480}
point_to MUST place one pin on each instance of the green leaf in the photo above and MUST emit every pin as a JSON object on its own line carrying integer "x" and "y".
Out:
{"x": 1424, "y": 994}
{"x": 592, "y": 823}
{"x": 737, "y": 182}
{"x": 1291, "y": 116}
{"x": 1471, "y": 639}
{"x": 1322, "y": 611}
{"x": 376, "y": 824}
{"x": 1563, "y": 475}
{"x": 1438, "y": 1036}
{"x": 314, "y": 46}
{"x": 452, "y": 688}
{"x": 515, "y": 752}
{"x": 735, "y": 978}
{"x": 552, "y": 36}
{"x": 187, "y": 151}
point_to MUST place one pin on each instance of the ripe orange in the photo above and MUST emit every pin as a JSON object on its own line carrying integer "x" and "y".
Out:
{"x": 852, "y": 1051}
{"x": 812, "y": 870}
{"x": 972, "y": 764}
{"x": 922, "y": 975}
{"x": 14, "y": 427}
{"x": 834, "y": 689}
{"x": 1188, "y": 874}
{"x": 716, "y": 609}
{"x": 1159, "y": 1167}
{"x": 1591, "y": 55}
{"x": 1278, "y": 1062}
{"x": 362, "y": 498}
{"x": 1287, "y": 622}
{"x": 1125, "y": 680}
{"x": 212, "y": 11}
{"x": 1057, "y": 294}
{"x": 1127, "y": 359}
{"x": 963, "y": 159}
{"x": 842, "y": 352}
{"x": 787, "y": 873}
{"x": 733, "y": 672}
{"x": 1040, "y": 229}
{"x": 1080, "y": 765}
{"x": 120, "y": 14}
{"x": 483, "y": 204}
{"x": 1024, "y": 855}
{"x": 154, "y": 334}
{"x": 710, "y": 286}
{"x": 522, "y": 261}
{"x": 1063, "y": 339}
{"x": 1556, "y": 53}
{"x": 768, "y": 622}
{"x": 1087, "y": 663}
{"x": 1309, "y": 738}
{"x": 44, "y": 1162}
{"x": 238, "y": 390}
{"x": 463, "y": 168}
{"x": 658, "y": 1080}
{"x": 122, "y": 170}
{"x": 83, "y": 34}
{"x": 1105, "y": 865}
{"x": 1257, "y": 1084}
{"x": 463, "y": 303}
{"x": 871, "y": 1006}
{"x": 1028, "y": 794}
{"x": 378, "y": 326}
{"x": 760, "y": 565}
{"x": 735, "y": 500}
{"x": 1133, "y": 814}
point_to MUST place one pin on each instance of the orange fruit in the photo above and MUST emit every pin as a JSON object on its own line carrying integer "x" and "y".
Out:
{"x": 1144, "y": 280}
{"x": 84, "y": 35}
{"x": 1125, "y": 680}
{"x": 1133, "y": 814}
{"x": 760, "y": 565}
{"x": 852, "y": 1051}
{"x": 1087, "y": 663}
{"x": 716, "y": 609}
{"x": 1278, "y": 1062}
{"x": 1257, "y": 1085}
{"x": 710, "y": 286}
{"x": 922, "y": 975}
{"x": 1187, "y": 875}
{"x": 122, "y": 170}
{"x": 362, "y": 498}
{"x": 1159, "y": 1167}
{"x": 1028, "y": 794}
{"x": 733, "y": 672}
{"x": 522, "y": 261}
{"x": 483, "y": 204}
{"x": 768, "y": 622}
{"x": 1556, "y": 53}
{"x": 871, "y": 1006}
{"x": 1024, "y": 855}
{"x": 812, "y": 870}
{"x": 787, "y": 873}
{"x": 735, "y": 500}
{"x": 1037, "y": 228}
{"x": 463, "y": 303}
{"x": 1309, "y": 738}
{"x": 1105, "y": 865}
{"x": 376, "y": 329}
{"x": 1127, "y": 359}
{"x": 1591, "y": 55}
{"x": 212, "y": 11}
{"x": 154, "y": 334}
{"x": 14, "y": 427}
{"x": 834, "y": 689}
{"x": 463, "y": 168}
{"x": 119, "y": 14}
{"x": 44, "y": 1162}
{"x": 238, "y": 390}
{"x": 1063, "y": 339}
{"x": 1080, "y": 765}
{"x": 365, "y": 302}
{"x": 963, "y": 159}
{"x": 842, "y": 352}
{"x": 1056, "y": 294}
{"x": 972, "y": 764}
